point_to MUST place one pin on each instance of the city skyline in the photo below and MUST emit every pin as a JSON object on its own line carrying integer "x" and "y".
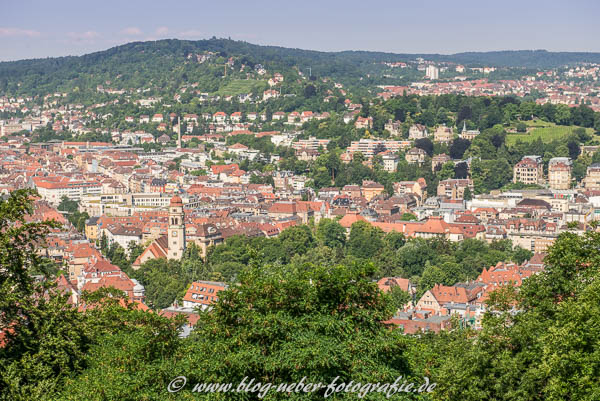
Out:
{"x": 28, "y": 32}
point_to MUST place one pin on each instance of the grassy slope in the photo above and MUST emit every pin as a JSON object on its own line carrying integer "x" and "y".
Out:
{"x": 545, "y": 130}
{"x": 240, "y": 86}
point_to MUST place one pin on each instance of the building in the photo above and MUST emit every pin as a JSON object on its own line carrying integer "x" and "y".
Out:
{"x": 394, "y": 127}
{"x": 91, "y": 228}
{"x": 418, "y": 188}
{"x": 364, "y": 122}
{"x": 454, "y": 188}
{"x": 371, "y": 189}
{"x": 122, "y": 235}
{"x": 201, "y": 294}
{"x": 417, "y": 131}
{"x": 468, "y": 134}
{"x": 172, "y": 245}
{"x": 311, "y": 143}
{"x": 592, "y": 177}
{"x": 443, "y": 134}
{"x": 530, "y": 170}
{"x": 368, "y": 147}
{"x": 390, "y": 162}
{"x": 415, "y": 155}
{"x": 53, "y": 188}
{"x": 432, "y": 72}
{"x": 439, "y": 160}
{"x": 440, "y": 295}
{"x": 176, "y": 231}
{"x": 559, "y": 173}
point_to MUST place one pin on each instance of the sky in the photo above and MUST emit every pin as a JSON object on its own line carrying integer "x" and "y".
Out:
{"x": 42, "y": 28}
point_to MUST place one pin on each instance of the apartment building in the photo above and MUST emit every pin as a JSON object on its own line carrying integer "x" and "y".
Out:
{"x": 559, "y": 173}
{"x": 530, "y": 170}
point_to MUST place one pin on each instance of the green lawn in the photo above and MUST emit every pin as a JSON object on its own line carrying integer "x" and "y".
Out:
{"x": 545, "y": 130}
{"x": 240, "y": 86}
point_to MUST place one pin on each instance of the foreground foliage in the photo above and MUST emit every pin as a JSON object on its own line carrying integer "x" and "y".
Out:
{"x": 282, "y": 322}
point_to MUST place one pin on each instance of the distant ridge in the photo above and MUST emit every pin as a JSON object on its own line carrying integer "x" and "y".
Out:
{"x": 160, "y": 62}
{"x": 502, "y": 58}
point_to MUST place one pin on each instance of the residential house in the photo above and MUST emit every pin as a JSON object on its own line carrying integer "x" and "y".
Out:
{"x": 394, "y": 127}
{"x": 454, "y": 188}
{"x": 202, "y": 294}
{"x": 364, "y": 122}
{"x": 371, "y": 189}
{"x": 415, "y": 155}
{"x": 438, "y": 161}
{"x": 417, "y": 131}
{"x": 443, "y": 134}
{"x": 390, "y": 162}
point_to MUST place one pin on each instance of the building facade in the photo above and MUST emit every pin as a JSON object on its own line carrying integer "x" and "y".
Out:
{"x": 559, "y": 173}
{"x": 529, "y": 170}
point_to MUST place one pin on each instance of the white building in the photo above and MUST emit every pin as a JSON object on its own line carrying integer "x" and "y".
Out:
{"x": 390, "y": 162}
{"x": 432, "y": 72}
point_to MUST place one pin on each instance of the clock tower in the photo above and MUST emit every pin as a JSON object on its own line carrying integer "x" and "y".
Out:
{"x": 176, "y": 234}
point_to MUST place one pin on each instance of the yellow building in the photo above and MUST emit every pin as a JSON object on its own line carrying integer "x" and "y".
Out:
{"x": 91, "y": 228}
{"x": 371, "y": 189}
{"x": 559, "y": 173}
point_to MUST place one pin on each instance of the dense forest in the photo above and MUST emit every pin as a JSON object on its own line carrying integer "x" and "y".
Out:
{"x": 318, "y": 318}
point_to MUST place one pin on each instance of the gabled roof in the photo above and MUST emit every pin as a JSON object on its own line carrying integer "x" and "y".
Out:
{"x": 386, "y": 283}
{"x": 350, "y": 218}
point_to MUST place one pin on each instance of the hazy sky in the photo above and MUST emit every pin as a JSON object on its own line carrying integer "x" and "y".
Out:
{"x": 43, "y": 28}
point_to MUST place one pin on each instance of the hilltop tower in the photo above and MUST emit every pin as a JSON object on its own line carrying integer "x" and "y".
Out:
{"x": 176, "y": 234}
{"x": 178, "y": 133}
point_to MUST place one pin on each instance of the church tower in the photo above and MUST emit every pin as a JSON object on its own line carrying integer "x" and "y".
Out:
{"x": 176, "y": 232}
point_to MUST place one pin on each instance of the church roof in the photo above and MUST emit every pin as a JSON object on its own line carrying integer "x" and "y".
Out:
{"x": 158, "y": 249}
{"x": 176, "y": 201}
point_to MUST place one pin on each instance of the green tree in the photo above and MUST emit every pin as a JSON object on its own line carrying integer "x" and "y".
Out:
{"x": 280, "y": 325}
{"x": 539, "y": 342}
{"x": 295, "y": 240}
{"x": 43, "y": 340}
{"x": 408, "y": 217}
{"x": 447, "y": 171}
{"x": 399, "y": 297}
{"x": 467, "y": 194}
{"x": 364, "y": 240}
{"x": 330, "y": 233}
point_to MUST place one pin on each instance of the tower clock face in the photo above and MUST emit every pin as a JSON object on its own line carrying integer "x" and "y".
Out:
{"x": 174, "y": 233}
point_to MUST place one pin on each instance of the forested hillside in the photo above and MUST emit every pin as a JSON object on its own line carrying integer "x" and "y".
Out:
{"x": 165, "y": 63}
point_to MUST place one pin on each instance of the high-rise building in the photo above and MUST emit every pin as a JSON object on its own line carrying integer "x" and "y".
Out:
{"x": 432, "y": 72}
